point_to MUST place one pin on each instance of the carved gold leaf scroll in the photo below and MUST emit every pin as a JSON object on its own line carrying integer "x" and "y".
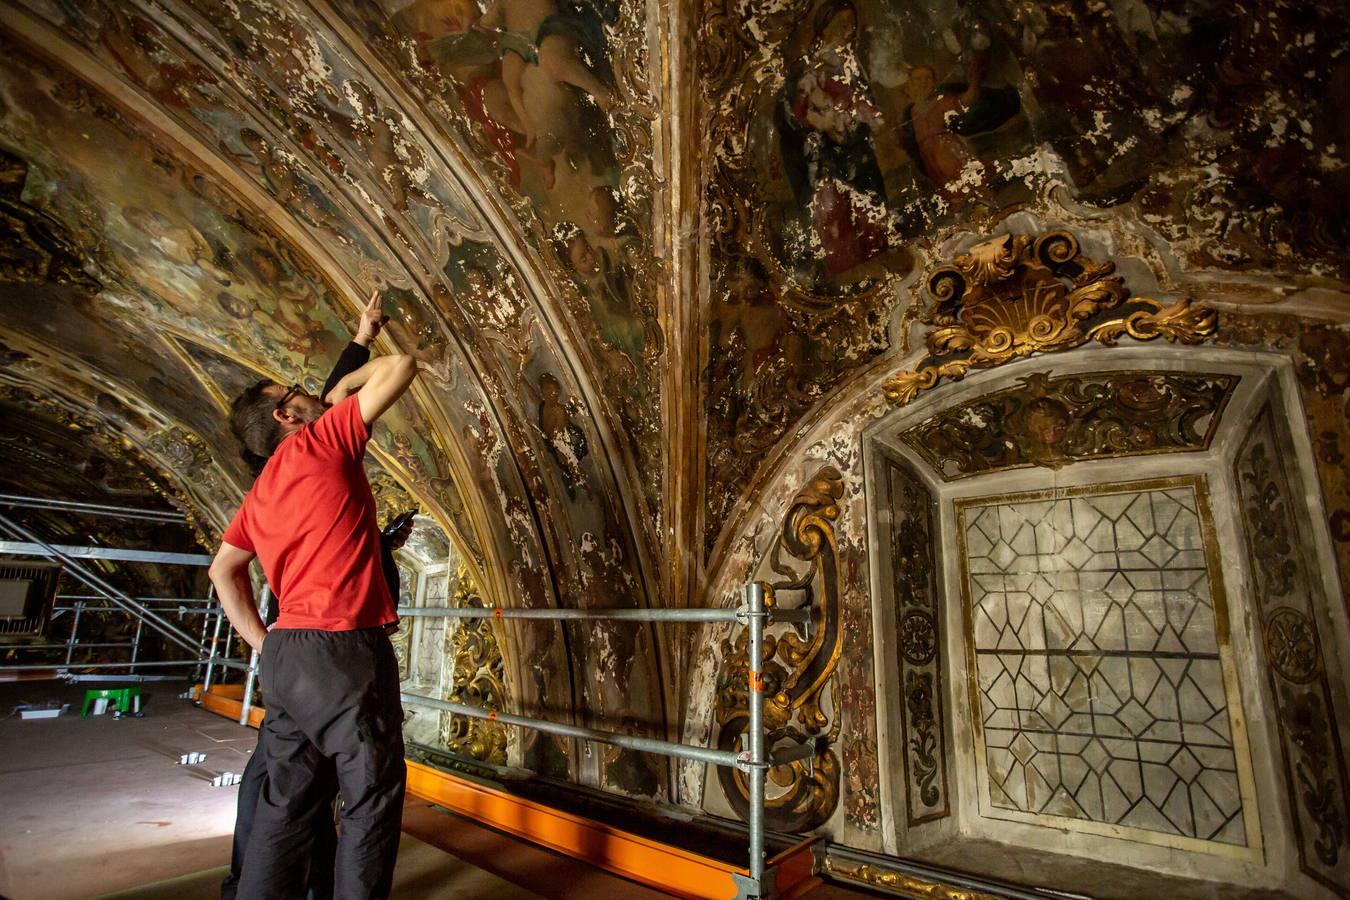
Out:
{"x": 477, "y": 669}
{"x": 898, "y": 882}
{"x": 1018, "y": 294}
{"x": 801, "y": 796}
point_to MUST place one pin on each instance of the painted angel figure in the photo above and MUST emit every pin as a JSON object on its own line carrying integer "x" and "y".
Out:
{"x": 564, "y": 41}
{"x": 940, "y": 115}
{"x": 825, "y": 122}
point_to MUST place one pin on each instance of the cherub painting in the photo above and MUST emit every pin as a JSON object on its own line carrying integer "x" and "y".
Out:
{"x": 511, "y": 64}
{"x": 609, "y": 293}
{"x": 540, "y": 33}
{"x": 564, "y": 438}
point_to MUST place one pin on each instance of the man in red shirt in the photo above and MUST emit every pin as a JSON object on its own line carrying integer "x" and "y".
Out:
{"x": 328, "y": 670}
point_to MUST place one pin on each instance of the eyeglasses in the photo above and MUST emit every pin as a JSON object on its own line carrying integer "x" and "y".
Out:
{"x": 293, "y": 391}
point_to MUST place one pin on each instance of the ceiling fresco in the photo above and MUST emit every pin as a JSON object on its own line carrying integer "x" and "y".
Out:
{"x": 56, "y": 455}
{"x": 257, "y": 191}
{"x": 850, "y": 137}
{"x": 550, "y": 101}
{"x": 655, "y": 260}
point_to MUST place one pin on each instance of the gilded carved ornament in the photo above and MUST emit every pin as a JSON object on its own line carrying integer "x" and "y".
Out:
{"x": 897, "y": 882}
{"x": 1016, "y": 295}
{"x": 796, "y": 669}
{"x": 477, "y": 679}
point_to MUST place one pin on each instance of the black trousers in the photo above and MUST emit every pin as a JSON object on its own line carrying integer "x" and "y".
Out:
{"x": 332, "y": 698}
{"x": 319, "y": 882}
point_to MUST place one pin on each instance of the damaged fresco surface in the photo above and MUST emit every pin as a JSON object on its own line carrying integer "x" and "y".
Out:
{"x": 552, "y": 99}
{"x": 1315, "y": 350}
{"x": 850, "y": 137}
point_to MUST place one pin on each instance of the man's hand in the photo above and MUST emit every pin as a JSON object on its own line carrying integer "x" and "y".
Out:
{"x": 372, "y": 320}
{"x": 398, "y": 538}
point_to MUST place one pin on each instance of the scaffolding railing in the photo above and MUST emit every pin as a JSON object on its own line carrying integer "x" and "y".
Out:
{"x": 164, "y": 516}
{"x": 152, "y": 611}
{"x": 752, "y": 758}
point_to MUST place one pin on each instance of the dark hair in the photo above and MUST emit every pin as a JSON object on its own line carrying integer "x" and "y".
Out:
{"x": 252, "y": 421}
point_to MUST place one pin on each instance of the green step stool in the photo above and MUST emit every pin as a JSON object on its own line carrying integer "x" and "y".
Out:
{"x": 126, "y": 700}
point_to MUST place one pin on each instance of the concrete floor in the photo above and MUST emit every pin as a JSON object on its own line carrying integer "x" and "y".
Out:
{"x": 100, "y": 807}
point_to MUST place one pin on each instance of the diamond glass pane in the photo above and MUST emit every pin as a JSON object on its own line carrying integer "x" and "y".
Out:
{"x": 1100, "y": 688}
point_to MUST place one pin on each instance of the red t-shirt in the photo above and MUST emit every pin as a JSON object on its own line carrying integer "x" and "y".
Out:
{"x": 310, "y": 518}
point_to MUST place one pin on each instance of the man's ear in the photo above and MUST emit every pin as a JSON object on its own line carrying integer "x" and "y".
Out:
{"x": 284, "y": 416}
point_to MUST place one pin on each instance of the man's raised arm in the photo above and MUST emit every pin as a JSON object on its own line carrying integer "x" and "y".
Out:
{"x": 229, "y": 574}
{"x": 377, "y": 385}
{"x": 357, "y": 353}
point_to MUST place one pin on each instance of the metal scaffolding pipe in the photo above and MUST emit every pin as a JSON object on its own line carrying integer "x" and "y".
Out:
{"x": 211, "y": 657}
{"x": 77, "y": 677}
{"x": 630, "y": 742}
{"x": 206, "y": 627}
{"x": 693, "y": 614}
{"x": 97, "y": 509}
{"x": 231, "y": 663}
{"x": 158, "y": 622}
{"x": 136, "y": 642}
{"x": 116, "y": 554}
{"x": 122, "y": 609}
{"x": 758, "y": 765}
{"x": 247, "y": 706}
{"x": 178, "y": 600}
{"x": 74, "y": 633}
{"x": 62, "y": 646}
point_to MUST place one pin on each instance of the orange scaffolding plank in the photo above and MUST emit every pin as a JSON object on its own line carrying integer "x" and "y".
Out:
{"x": 662, "y": 866}
{"x": 227, "y": 700}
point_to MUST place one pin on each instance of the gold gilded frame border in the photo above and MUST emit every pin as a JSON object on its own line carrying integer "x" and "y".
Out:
{"x": 1253, "y": 851}
{"x": 897, "y": 882}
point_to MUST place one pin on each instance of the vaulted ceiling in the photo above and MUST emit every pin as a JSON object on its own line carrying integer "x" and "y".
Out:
{"x": 638, "y": 247}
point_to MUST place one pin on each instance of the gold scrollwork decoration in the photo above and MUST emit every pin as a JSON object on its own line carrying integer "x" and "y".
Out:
{"x": 896, "y": 882}
{"x": 477, "y": 669}
{"x": 796, "y": 668}
{"x": 1017, "y": 294}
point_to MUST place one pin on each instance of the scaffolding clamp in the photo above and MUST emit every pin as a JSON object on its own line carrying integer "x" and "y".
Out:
{"x": 746, "y": 764}
{"x": 744, "y": 614}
